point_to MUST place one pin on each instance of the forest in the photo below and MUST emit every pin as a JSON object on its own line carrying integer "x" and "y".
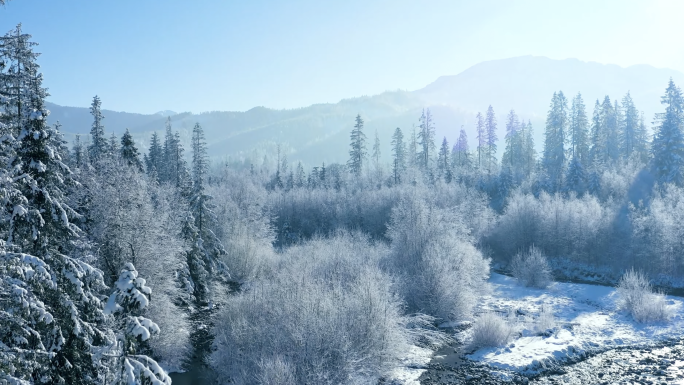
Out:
{"x": 120, "y": 265}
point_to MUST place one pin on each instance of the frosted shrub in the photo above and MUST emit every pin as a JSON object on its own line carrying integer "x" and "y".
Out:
{"x": 638, "y": 298}
{"x": 440, "y": 272}
{"x": 531, "y": 269}
{"x": 327, "y": 316}
{"x": 491, "y": 330}
{"x": 546, "y": 320}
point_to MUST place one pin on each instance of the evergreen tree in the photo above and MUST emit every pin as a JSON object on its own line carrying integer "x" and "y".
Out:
{"x": 668, "y": 143}
{"x": 579, "y": 125}
{"x": 443, "y": 164}
{"x": 78, "y": 152}
{"x": 98, "y": 147}
{"x": 610, "y": 119}
{"x": 357, "y": 153}
{"x": 529, "y": 152}
{"x": 630, "y": 135}
{"x": 155, "y": 157}
{"x": 412, "y": 154}
{"x": 300, "y": 175}
{"x": 399, "y": 154}
{"x": 576, "y": 179}
{"x": 554, "y": 140}
{"x": 206, "y": 247}
{"x": 460, "y": 156}
{"x": 113, "y": 146}
{"x": 492, "y": 138}
{"x": 426, "y": 139}
{"x": 598, "y": 139}
{"x": 129, "y": 153}
{"x": 18, "y": 66}
{"x": 376, "y": 150}
{"x": 481, "y": 141}
{"x": 512, "y": 158}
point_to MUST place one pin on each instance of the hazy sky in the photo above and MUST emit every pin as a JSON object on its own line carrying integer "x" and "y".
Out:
{"x": 200, "y": 55}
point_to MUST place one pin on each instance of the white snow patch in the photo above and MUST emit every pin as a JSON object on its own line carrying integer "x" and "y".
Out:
{"x": 412, "y": 366}
{"x": 587, "y": 316}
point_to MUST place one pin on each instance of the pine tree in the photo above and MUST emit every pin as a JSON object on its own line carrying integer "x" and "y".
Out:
{"x": 113, "y": 146}
{"x": 443, "y": 163}
{"x": 357, "y": 153}
{"x": 668, "y": 143}
{"x": 610, "y": 119}
{"x": 512, "y": 158}
{"x": 579, "y": 124}
{"x": 460, "y": 156}
{"x": 598, "y": 139}
{"x": 98, "y": 147}
{"x": 481, "y": 141}
{"x": 529, "y": 152}
{"x": 376, "y": 150}
{"x": 492, "y": 138}
{"x": 412, "y": 154}
{"x": 155, "y": 158}
{"x": 300, "y": 176}
{"x": 630, "y": 135}
{"x": 554, "y": 140}
{"x": 426, "y": 140}
{"x": 78, "y": 155}
{"x": 129, "y": 153}
{"x": 576, "y": 179}
{"x": 206, "y": 246}
{"x": 18, "y": 66}
{"x": 399, "y": 154}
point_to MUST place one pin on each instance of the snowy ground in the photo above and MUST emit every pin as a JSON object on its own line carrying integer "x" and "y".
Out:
{"x": 412, "y": 366}
{"x": 587, "y": 318}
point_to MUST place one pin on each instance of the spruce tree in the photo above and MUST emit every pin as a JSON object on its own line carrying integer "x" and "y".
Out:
{"x": 481, "y": 141}
{"x": 376, "y": 150}
{"x": 554, "y": 140}
{"x": 492, "y": 138}
{"x": 399, "y": 155}
{"x": 459, "y": 154}
{"x": 610, "y": 120}
{"x": 512, "y": 156}
{"x": 598, "y": 139}
{"x": 357, "y": 153}
{"x": 579, "y": 125}
{"x": 443, "y": 163}
{"x": 155, "y": 157}
{"x": 668, "y": 143}
{"x": 529, "y": 152}
{"x": 98, "y": 147}
{"x": 630, "y": 135}
{"x": 129, "y": 153}
{"x": 426, "y": 140}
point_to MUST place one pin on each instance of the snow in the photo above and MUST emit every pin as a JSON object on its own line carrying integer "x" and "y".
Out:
{"x": 412, "y": 366}
{"x": 587, "y": 316}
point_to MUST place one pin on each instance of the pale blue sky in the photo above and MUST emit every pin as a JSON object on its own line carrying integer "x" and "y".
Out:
{"x": 150, "y": 55}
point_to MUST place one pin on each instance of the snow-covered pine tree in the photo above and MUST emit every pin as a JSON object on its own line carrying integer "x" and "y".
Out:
{"x": 129, "y": 153}
{"x": 512, "y": 157}
{"x": 529, "y": 152}
{"x": 99, "y": 146}
{"x": 598, "y": 139}
{"x": 668, "y": 143}
{"x": 300, "y": 176}
{"x": 481, "y": 141}
{"x": 205, "y": 245}
{"x": 630, "y": 135}
{"x": 113, "y": 146}
{"x": 155, "y": 157}
{"x": 492, "y": 138}
{"x": 18, "y": 66}
{"x": 443, "y": 163}
{"x": 426, "y": 140}
{"x": 357, "y": 152}
{"x": 610, "y": 120}
{"x": 376, "y": 151}
{"x": 399, "y": 155}
{"x": 579, "y": 136}
{"x": 412, "y": 149}
{"x": 576, "y": 180}
{"x": 126, "y": 305}
{"x": 554, "y": 140}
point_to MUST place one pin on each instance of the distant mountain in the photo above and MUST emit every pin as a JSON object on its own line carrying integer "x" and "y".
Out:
{"x": 320, "y": 133}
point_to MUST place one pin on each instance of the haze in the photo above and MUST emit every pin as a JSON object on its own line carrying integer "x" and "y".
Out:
{"x": 151, "y": 56}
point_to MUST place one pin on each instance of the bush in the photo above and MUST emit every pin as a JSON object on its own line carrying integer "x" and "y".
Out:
{"x": 546, "y": 320}
{"x": 327, "y": 316}
{"x": 440, "y": 272}
{"x": 638, "y": 298}
{"x": 491, "y": 330}
{"x": 531, "y": 269}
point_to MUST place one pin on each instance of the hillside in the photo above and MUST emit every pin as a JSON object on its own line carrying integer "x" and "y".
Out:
{"x": 320, "y": 132}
